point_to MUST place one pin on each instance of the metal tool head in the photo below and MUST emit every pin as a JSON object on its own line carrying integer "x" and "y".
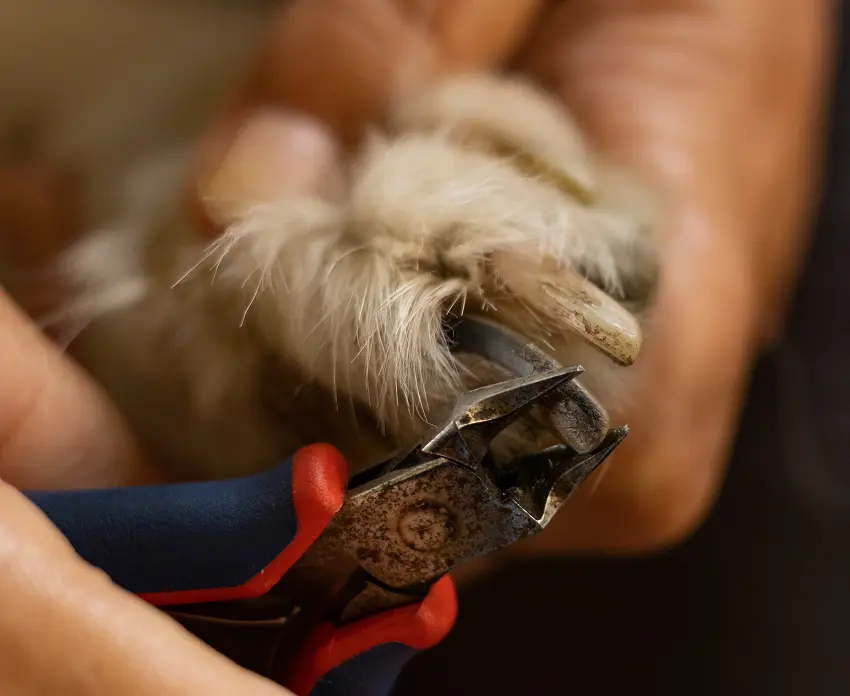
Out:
{"x": 571, "y": 413}
{"x": 538, "y": 483}
{"x": 541, "y": 482}
{"x": 482, "y": 414}
{"x": 447, "y": 501}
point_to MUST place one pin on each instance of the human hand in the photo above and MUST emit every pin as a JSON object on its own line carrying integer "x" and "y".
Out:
{"x": 65, "y": 628}
{"x": 690, "y": 96}
{"x": 715, "y": 103}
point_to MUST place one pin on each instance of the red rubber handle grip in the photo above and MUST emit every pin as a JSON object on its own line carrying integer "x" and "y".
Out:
{"x": 331, "y": 655}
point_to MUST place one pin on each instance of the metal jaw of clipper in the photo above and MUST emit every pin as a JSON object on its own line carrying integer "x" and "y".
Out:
{"x": 571, "y": 413}
{"x": 536, "y": 484}
{"x": 541, "y": 482}
{"x": 448, "y": 501}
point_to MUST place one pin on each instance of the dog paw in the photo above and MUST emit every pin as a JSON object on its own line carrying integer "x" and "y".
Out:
{"x": 479, "y": 197}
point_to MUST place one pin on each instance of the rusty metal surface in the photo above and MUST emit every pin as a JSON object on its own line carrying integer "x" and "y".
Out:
{"x": 460, "y": 519}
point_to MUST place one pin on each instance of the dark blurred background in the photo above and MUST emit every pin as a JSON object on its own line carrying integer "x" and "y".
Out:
{"x": 758, "y": 600}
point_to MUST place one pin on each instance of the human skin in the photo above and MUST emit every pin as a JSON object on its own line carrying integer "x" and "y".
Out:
{"x": 716, "y": 102}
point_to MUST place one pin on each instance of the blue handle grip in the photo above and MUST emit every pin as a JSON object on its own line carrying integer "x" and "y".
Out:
{"x": 372, "y": 673}
{"x": 179, "y": 537}
{"x": 216, "y": 535}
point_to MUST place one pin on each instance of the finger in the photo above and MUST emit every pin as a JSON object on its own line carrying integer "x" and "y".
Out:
{"x": 339, "y": 64}
{"x": 66, "y": 629}
{"x": 683, "y": 95}
{"x": 56, "y": 429}
{"x": 272, "y": 154}
{"x": 690, "y": 380}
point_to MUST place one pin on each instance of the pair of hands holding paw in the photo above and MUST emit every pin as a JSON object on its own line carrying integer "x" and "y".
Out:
{"x": 715, "y": 103}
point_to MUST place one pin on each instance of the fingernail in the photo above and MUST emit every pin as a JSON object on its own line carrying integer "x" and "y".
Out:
{"x": 274, "y": 155}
